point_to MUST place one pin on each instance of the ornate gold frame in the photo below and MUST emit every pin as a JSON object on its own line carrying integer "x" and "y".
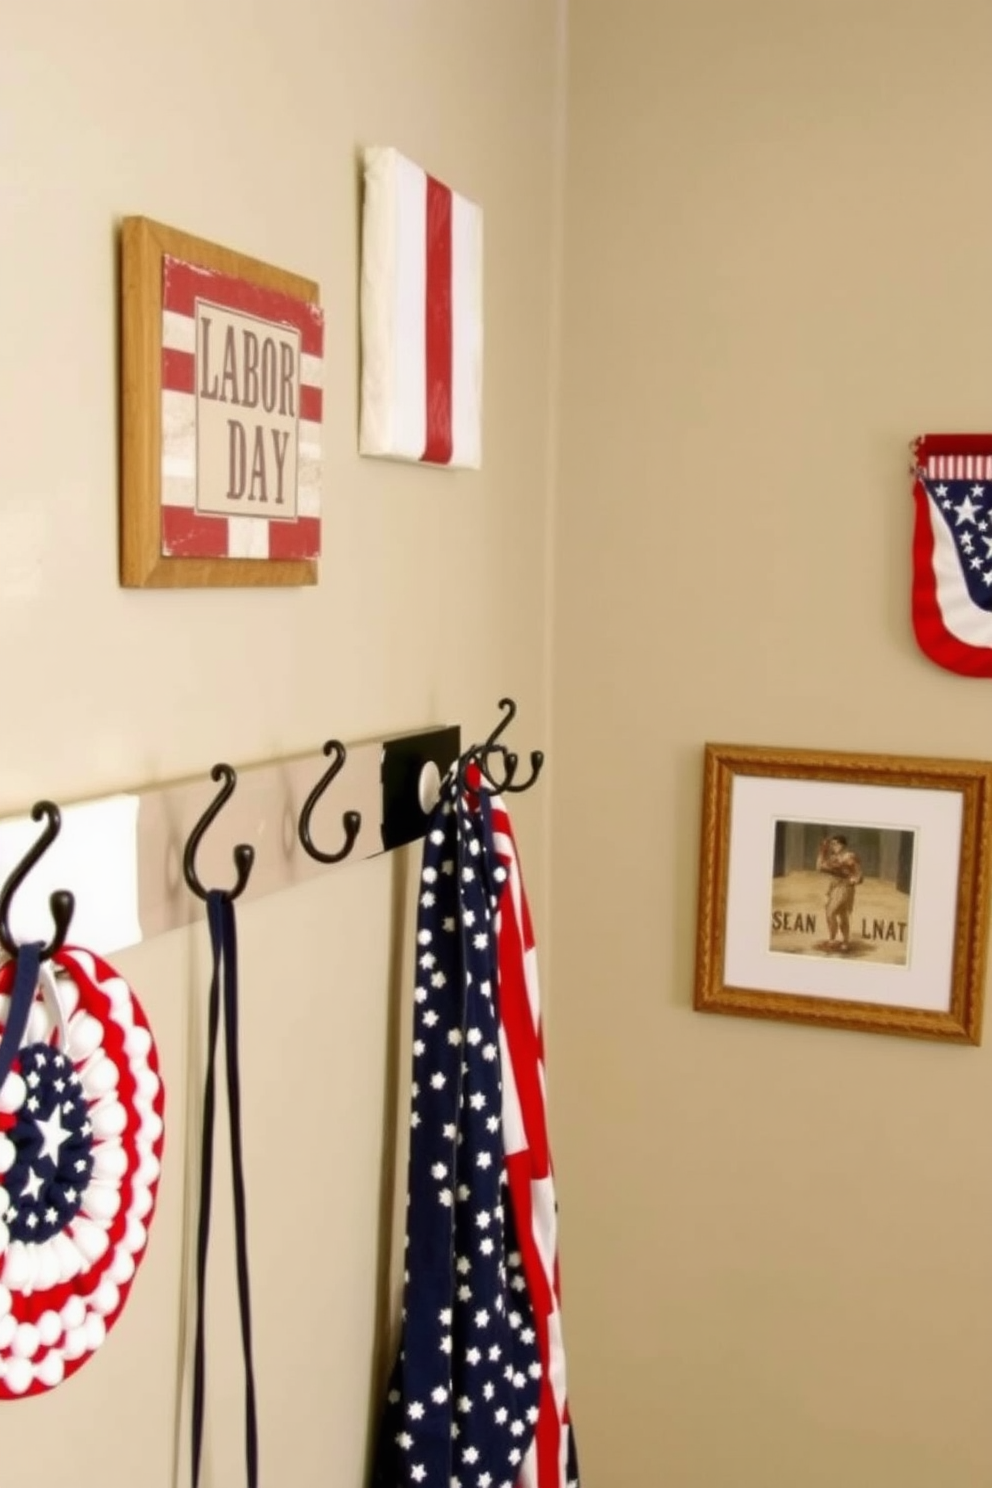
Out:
{"x": 972, "y": 779}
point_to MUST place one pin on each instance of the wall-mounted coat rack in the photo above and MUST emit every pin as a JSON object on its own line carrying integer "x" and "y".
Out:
{"x": 124, "y": 854}
{"x": 137, "y": 861}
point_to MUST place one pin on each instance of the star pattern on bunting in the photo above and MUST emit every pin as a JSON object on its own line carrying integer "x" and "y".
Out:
{"x": 966, "y": 507}
{"x": 81, "y": 1137}
{"x": 53, "y": 1143}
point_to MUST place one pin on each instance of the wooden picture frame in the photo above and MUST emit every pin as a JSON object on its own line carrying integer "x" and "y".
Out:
{"x": 845, "y": 890}
{"x": 179, "y": 528}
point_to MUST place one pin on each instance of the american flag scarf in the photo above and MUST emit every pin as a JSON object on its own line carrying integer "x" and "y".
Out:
{"x": 477, "y": 1395}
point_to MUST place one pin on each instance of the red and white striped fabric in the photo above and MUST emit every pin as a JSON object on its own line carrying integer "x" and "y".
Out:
{"x": 421, "y": 309}
{"x": 188, "y": 531}
{"x": 957, "y": 466}
{"x": 550, "y": 1460}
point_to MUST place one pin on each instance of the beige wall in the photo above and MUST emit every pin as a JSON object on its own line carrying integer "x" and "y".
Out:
{"x": 775, "y": 1240}
{"x": 242, "y": 124}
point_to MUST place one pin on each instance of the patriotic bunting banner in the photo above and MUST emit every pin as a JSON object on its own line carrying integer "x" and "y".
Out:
{"x": 421, "y": 311}
{"x": 477, "y": 1396}
{"x": 952, "y": 551}
{"x": 81, "y": 1139}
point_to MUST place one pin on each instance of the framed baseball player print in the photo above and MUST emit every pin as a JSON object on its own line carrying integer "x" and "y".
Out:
{"x": 845, "y": 890}
{"x": 222, "y": 390}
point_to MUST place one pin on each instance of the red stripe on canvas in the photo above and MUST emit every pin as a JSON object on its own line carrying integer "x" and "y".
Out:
{"x": 183, "y": 284}
{"x": 185, "y": 534}
{"x": 437, "y": 350}
{"x": 311, "y": 403}
{"x": 178, "y": 371}
{"x": 299, "y": 539}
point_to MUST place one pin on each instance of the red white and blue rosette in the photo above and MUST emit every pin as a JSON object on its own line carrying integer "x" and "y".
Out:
{"x": 81, "y": 1136}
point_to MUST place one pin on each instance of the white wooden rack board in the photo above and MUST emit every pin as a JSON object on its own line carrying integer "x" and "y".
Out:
{"x": 122, "y": 855}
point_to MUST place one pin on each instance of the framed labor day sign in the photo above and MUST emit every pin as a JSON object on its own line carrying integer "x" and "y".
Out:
{"x": 222, "y": 375}
{"x": 845, "y": 890}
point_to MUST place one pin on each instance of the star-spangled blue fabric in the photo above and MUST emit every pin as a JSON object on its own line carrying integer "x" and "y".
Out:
{"x": 462, "y": 1400}
{"x": 54, "y": 1143}
{"x": 966, "y": 507}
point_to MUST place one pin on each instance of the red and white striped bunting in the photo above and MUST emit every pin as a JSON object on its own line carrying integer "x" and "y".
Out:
{"x": 63, "y": 1289}
{"x": 959, "y": 467}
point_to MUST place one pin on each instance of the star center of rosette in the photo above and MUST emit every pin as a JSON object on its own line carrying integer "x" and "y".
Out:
{"x": 53, "y": 1140}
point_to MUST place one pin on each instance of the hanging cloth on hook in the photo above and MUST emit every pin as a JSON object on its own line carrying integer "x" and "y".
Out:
{"x": 81, "y": 1136}
{"x": 27, "y": 970}
{"x": 477, "y": 1394}
{"x": 223, "y": 997}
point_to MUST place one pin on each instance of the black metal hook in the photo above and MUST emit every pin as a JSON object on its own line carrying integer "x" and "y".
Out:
{"x": 480, "y": 753}
{"x": 244, "y": 856}
{"x": 62, "y": 903}
{"x": 350, "y": 820}
{"x": 510, "y": 708}
{"x": 536, "y": 765}
{"x": 511, "y": 760}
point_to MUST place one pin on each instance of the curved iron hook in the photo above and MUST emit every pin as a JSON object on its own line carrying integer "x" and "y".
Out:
{"x": 479, "y": 755}
{"x": 350, "y": 820}
{"x": 512, "y": 760}
{"x": 244, "y": 856}
{"x": 481, "y": 752}
{"x": 510, "y": 708}
{"x": 536, "y": 765}
{"x": 62, "y": 903}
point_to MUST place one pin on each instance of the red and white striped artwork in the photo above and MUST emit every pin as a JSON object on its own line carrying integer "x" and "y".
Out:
{"x": 242, "y": 404}
{"x": 421, "y": 309}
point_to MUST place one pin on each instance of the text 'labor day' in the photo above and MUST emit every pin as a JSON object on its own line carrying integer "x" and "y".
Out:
{"x": 248, "y": 403}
